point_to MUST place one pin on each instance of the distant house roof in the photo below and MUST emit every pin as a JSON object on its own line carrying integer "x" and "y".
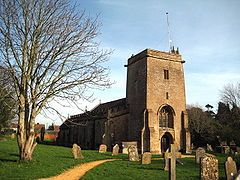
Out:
{"x": 38, "y": 127}
{"x": 98, "y": 112}
{"x": 56, "y": 128}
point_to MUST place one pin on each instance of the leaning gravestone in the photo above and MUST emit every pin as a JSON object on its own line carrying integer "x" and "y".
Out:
{"x": 209, "y": 147}
{"x": 146, "y": 158}
{"x": 200, "y": 152}
{"x": 102, "y": 148}
{"x": 115, "y": 150}
{"x": 173, "y": 155}
{"x": 230, "y": 168}
{"x": 209, "y": 168}
{"x": 133, "y": 153}
{"x": 76, "y": 151}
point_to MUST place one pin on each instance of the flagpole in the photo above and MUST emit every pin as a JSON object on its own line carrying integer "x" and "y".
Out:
{"x": 169, "y": 37}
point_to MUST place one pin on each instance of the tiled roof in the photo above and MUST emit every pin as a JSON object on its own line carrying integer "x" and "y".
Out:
{"x": 98, "y": 112}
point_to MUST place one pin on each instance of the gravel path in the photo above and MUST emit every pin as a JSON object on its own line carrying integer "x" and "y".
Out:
{"x": 78, "y": 171}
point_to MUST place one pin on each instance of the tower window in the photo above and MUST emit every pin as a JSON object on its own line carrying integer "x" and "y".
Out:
{"x": 167, "y": 96}
{"x": 166, "y": 74}
{"x": 166, "y": 117}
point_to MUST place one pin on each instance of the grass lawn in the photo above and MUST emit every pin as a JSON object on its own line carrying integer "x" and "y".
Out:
{"x": 47, "y": 161}
{"x": 133, "y": 170}
{"x": 52, "y": 160}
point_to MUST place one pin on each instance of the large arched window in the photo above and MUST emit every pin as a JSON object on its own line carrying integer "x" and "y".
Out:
{"x": 166, "y": 117}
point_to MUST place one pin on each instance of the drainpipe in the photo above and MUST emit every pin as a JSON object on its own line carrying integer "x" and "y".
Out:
{"x": 143, "y": 130}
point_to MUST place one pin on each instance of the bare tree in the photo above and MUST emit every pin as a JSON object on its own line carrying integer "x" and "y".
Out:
{"x": 50, "y": 50}
{"x": 231, "y": 94}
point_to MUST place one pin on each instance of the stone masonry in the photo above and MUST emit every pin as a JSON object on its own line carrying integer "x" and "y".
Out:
{"x": 153, "y": 114}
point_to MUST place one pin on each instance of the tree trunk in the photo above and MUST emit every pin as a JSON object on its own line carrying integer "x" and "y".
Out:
{"x": 26, "y": 147}
{"x": 25, "y": 136}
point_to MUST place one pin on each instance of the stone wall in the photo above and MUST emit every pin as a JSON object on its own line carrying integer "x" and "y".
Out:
{"x": 147, "y": 89}
{"x": 136, "y": 95}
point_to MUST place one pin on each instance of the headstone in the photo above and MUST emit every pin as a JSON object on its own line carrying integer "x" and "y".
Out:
{"x": 232, "y": 143}
{"x": 192, "y": 146}
{"x": 227, "y": 149}
{"x": 237, "y": 176}
{"x": 209, "y": 147}
{"x": 146, "y": 158}
{"x": 133, "y": 153}
{"x": 76, "y": 151}
{"x": 230, "y": 168}
{"x": 125, "y": 146}
{"x": 238, "y": 150}
{"x": 166, "y": 161}
{"x": 209, "y": 168}
{"x": 200, "y": 152}
{"x": 102, "y": 148}
{"x": 115, "y": 150}
{"x": 13, "y": 136}
{"x": 173, "y": 155}
{"x": 223, "y": 143}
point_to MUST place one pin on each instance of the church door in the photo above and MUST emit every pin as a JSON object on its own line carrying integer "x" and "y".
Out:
{"x": 166, "y": 140}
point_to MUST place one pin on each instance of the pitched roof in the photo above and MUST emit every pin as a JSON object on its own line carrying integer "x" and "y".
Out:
{"x": 98, "y": 112}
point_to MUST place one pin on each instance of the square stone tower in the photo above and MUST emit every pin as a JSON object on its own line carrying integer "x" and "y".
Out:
{"x": 157, "y": 102}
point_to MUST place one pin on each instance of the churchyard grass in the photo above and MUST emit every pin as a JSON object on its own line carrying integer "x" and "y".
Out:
{"x": 134, "y": 170}
{"x": 48, "y": 161}
{"x": 52, "y": 160}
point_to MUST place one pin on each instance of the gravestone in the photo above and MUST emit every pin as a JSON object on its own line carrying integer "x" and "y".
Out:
{"x": 232, "y": 143}
{"x": 230, "y": 168}
{"x": 192, "y": 146}
{"x": 209, "y": 147}
{"x": 133, "y": 153}
{"x": 237, "y": 176}
{"x": 200, "y": 152}
{"x": 125, "y": 146}
{"x": 102, "y": 148}
{"x": 166, "y": 161}
{"x": 209, "y": 168}
{"x": 238, "y": 150}
{"x": 13, "y": 136}
{"x": 172, "y": 155}
{"x": 146, "y": 158}
{"x": 115, "y": 150}
{"x": 76, "y": 151}
{"x": 226, "y": 149}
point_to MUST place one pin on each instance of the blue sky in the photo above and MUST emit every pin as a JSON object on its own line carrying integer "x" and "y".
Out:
{"x": 206, "y": 32}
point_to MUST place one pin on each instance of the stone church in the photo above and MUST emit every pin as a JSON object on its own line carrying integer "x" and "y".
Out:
{"x": 153, "y": 114}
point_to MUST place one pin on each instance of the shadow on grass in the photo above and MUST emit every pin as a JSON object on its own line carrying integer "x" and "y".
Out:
{"x": 14, "y": 154}
{"x": 8, "y": 160}
{"x": 65, "y": 157}
{"x": 150, "y": 168}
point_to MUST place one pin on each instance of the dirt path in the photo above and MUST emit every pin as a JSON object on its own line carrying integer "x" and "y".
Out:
{"x": 78, "y": 171}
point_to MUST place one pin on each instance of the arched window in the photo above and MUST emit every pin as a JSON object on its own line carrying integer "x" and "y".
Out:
{"x": 166, "y": 117}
